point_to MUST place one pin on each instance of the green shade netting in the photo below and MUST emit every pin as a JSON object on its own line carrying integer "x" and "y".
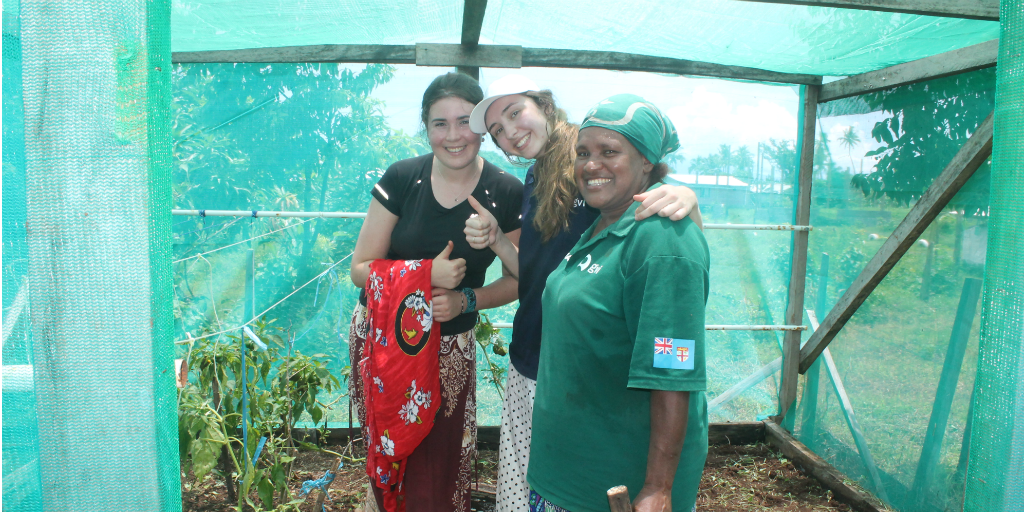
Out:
{"x": 783, "y": 38}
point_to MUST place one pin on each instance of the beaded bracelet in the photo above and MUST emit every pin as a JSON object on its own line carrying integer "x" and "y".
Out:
{"x": 470, "y": 299}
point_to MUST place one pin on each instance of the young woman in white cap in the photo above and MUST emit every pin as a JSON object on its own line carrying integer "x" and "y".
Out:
{"x": 526, "y": 124}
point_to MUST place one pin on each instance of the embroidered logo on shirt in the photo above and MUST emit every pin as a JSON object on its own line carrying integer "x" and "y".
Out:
{"x": 673, "y": 354}
{"x": 585, "y": 264}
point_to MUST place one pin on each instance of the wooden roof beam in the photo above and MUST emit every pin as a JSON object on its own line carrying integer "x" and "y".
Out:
{"x": 974, "y": 152}
{"x": 487, "y": 55}
{"x": 355, "y": 53}
{"x": 969, "y": 9}
{"x": 552, "y": 58}
{"x": 971, "y": 58}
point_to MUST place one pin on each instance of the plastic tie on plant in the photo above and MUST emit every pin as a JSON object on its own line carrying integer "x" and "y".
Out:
{"x": 321, "y": 483}
{"x": 255, "y": 339}
{"x": 259, "y": 450}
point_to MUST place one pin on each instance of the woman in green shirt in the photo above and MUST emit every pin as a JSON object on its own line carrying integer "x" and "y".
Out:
{"x": 621, "y": 381}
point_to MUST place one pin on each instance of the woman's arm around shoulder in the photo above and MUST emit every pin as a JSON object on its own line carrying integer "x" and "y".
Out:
{"x": 674, "y": 202}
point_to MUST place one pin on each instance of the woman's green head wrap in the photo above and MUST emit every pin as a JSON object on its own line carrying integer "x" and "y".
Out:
{"x": 650, "y": 132}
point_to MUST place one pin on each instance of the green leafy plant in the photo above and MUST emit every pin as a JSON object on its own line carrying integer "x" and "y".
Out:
{"x": 213, "y": 407}
{"x": 487, "y": 336}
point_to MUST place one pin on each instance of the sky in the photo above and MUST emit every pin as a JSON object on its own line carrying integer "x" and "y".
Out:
{"x": 706, "y": 112}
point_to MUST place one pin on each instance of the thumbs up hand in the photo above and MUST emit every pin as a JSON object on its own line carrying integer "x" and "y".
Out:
{"x": 447, "y": 273}
{"x": 481, "y": 228}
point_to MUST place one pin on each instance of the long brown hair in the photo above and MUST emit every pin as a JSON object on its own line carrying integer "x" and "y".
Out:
{"x": 554, "y": 186}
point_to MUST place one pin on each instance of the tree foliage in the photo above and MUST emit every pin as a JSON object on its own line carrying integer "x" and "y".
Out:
{"x": 296, "y": 137}
{"x": 929, "y": 123}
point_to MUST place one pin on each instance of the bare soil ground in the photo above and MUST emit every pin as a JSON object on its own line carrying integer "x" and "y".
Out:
{"x": 736, "y": 478}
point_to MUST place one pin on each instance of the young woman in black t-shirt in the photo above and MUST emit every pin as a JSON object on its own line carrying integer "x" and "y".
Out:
{"x": 418, "y": 211}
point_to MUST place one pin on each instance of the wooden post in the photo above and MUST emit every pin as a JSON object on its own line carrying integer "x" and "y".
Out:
{"x": 472, "y": 22}
{"x": 851, "y": 418}
{"x": 618, "y": 499}
{"x": 798, "y": 268}
{"x": 810, "y": 398}
{"x": 932, "y": 448}
{"x": 960, "y": 169}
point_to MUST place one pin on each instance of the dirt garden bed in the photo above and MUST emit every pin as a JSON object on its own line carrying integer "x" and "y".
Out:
{"x": 736, "y": 478}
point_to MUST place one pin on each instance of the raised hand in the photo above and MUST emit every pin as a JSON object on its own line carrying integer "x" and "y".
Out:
{"x": 446, "y": 273}
{"x": 481, "y": 228}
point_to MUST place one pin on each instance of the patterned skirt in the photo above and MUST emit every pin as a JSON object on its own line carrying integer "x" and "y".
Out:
{"x": 439, "y": 471}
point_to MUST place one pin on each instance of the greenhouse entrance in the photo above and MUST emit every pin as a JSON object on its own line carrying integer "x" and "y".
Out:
{"x": 184, "y": 183}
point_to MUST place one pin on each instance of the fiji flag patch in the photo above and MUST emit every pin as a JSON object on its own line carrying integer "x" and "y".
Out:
{"x": 673, "y": 354}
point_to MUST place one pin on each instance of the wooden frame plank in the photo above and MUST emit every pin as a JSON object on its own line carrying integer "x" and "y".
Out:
{"x": 553, "y": 58}
{"x": 974, "y": 152}
{"x": 798, "y": 267}
{"x": 358, "y": 53}
{"x": 490, "y": 56}
{"x": 480, "y": 56}
{"x": 736, "y": 433}
{"x": 823, "y": 472}
{"x": 970, "y": 58}
{"x": 968, "y": 9}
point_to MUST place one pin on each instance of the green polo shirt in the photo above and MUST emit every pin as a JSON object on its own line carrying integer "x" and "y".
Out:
{"x": 623, "y": 315}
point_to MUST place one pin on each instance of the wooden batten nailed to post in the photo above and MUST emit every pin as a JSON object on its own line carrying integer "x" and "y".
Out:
{"x": 975, "y": 151}
{"x": 798, "y": 274}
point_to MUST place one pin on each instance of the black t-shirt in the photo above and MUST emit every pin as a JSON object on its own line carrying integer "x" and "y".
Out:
{"x": 425, "y": 227}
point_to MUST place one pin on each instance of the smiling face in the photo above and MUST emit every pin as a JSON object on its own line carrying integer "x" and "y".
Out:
{"x": 518, "y": 125}
{"x": 453, "y": 143}
{"x": 609, "y": 171}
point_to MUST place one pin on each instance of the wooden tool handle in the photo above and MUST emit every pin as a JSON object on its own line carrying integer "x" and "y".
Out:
{"x": 618, "y": 499}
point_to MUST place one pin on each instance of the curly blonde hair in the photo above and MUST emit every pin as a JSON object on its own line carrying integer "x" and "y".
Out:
{"x": 554, "y": 188}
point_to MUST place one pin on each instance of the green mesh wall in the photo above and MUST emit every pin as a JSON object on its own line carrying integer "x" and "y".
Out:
{"x": 21, "y": 483}
{"x": 996, "y": 469}
{"x": 89, "y": 416}
{"x": 906, "y": 361}
{"x": 786, "y": 38}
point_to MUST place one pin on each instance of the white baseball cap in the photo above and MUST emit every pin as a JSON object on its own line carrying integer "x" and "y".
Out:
{"x": 504, "y": 86}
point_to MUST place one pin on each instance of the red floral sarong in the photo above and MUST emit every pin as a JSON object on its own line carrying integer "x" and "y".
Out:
{"x": 399, "y": 370}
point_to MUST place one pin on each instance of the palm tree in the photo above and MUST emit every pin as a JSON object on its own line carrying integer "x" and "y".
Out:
{"x": 725, "y": 159}
{"x": 848, "y": 140}
{"x": 744, "y": 162}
